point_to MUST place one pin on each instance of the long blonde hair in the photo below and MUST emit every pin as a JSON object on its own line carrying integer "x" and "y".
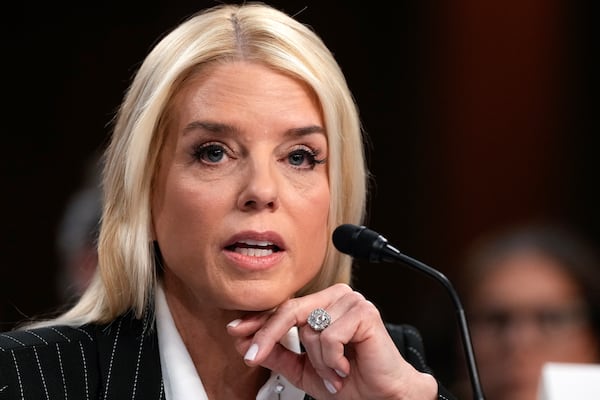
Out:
{"x": 126, "y": 273}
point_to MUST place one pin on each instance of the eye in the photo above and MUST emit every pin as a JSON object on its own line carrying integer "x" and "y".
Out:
{"x": 559, "y": 318}
{"x": 498, "y": 320}
{"x": 304, "y": 158}
{"x": 492, "y": 321}
{"x": 211, "y": 153}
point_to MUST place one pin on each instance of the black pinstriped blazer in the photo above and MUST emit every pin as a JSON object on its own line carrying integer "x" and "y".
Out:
{"x": 111, "y": 362}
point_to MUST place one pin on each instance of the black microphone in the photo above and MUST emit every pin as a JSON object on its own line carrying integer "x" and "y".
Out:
{"x": 363, "y": 243}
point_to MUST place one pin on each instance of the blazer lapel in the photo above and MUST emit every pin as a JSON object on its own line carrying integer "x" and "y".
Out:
{"x": 129, "y": 360}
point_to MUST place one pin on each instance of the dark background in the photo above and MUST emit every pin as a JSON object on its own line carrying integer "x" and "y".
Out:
{"x": 480, "y": 114}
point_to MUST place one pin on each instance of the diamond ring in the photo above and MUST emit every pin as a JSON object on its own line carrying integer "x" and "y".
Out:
{"x": 319, "y": 319}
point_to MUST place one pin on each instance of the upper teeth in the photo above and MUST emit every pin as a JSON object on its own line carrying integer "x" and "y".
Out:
{"x": 256, "y": 242}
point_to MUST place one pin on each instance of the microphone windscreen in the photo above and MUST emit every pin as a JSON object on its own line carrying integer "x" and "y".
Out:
{"x": 356, "y": 241}
{"x": 343, "y": 237}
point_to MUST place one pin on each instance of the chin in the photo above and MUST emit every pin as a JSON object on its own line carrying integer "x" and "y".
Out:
{"x": 258, "y": 300}
{"x": 263, "y": 295}
{"x": 260, "y": 304}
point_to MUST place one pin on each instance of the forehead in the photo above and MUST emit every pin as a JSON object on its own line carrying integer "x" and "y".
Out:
{"x": 528, "y": 276}
{"x": 248, "y": 87}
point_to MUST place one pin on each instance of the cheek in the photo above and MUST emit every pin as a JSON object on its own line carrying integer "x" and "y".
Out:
{"x": 183, "y": 207}
{"x": 581, "y": 347}
{"x": 311, "y": 196}
{"x": 483, "y": 346}
{"x": 312, "y": 217}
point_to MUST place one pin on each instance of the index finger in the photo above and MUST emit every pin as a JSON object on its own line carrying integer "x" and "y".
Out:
{"x": 293, "y": 312}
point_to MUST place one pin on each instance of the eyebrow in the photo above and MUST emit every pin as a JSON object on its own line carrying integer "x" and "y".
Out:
{"x": 220, "y": 128}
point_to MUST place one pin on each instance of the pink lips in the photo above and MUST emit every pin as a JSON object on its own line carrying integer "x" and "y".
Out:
{"x": 252, "y": 250}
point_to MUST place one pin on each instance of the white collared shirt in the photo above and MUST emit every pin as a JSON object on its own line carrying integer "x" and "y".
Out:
{"x": 181, "y": 380}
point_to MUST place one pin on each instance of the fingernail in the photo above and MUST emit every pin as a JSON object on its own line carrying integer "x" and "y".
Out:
{"x": 251, "y": 353}
{"x": 234, "y": 323}
{"x": 340, "y": 373}
{"x": 330, "y": 386}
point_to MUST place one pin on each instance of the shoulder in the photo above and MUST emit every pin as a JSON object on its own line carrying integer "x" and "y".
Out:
{"x": 27, "y": 339}
{"x": 35, "y": 362}
{"x": 60, "y": 334}
{"x": 123, "y": 329}
{"x": 56, "y": 360}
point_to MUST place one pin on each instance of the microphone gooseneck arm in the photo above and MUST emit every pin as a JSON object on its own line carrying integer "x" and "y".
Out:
{"x": 361, "y": 242}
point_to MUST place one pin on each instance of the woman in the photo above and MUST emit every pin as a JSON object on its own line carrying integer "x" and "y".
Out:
{"x": 217, "y": 279}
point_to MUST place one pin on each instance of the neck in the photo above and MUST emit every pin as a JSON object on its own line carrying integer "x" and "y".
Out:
{"x": 220, "y": 367}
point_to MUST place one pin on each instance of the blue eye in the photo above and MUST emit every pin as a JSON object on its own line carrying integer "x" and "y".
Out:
{"x": 211, "y": 153}
{"x": 304, "y": 157}
{"x": 299, "y": 156}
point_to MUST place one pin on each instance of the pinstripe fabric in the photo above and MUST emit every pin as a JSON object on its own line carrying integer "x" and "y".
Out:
{"x": 118, "y": 361}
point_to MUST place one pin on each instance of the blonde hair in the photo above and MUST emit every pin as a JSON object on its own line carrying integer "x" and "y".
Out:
{"x": 126, "y": 273}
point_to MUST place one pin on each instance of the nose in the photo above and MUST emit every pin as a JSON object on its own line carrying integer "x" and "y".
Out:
{"x": 522, "y": 333}
{"x": 260, "y": 188}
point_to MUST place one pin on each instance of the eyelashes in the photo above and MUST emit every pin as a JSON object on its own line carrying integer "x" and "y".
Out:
{"x": 300, "y": 157}
{"x": 210, "y": 153}
{"x": 213, "y": 154}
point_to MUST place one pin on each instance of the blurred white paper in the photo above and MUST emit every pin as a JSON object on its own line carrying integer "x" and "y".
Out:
{"x": 566, "y": 381}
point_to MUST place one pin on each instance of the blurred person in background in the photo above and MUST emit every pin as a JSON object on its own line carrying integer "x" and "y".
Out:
{"x": 77, "y": 235}
{"x": 532, "y": 296}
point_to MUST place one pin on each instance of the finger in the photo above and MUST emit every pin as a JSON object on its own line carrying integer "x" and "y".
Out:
{"x": 355, "y": 317}
{"x": 330, "y": 377}
{"x": 293, "y": 312}
{"x": 312, "y": 345}
{"x": 247, "y": 325}
{"x": 327, "y": 349}
{"x": 287, "y": 363}
{"x": 299, "y": 371}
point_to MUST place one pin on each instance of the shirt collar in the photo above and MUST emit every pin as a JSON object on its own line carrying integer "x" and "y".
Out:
{"x": 181, "y": 380}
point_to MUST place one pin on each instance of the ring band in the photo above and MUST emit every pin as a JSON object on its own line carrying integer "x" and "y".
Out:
{"x": 319, "y": 319}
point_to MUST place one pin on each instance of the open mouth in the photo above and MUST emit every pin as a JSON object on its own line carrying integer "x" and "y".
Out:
{"x": 254, "y": 248}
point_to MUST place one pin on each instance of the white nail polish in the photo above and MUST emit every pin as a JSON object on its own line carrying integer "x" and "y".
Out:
{"x": 234, "y": 323}
{"x": 251, "y": 353}
{"x": 340, "y": 373}
{"x": 330, "y": 386}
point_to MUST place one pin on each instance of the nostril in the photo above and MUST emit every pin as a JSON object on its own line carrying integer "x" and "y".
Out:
{"x": 258, "y": 202}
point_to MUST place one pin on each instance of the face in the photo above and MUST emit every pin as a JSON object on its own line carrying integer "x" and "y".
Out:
{"x": 527, "y": 312}
{"x": 241, "y": 197}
